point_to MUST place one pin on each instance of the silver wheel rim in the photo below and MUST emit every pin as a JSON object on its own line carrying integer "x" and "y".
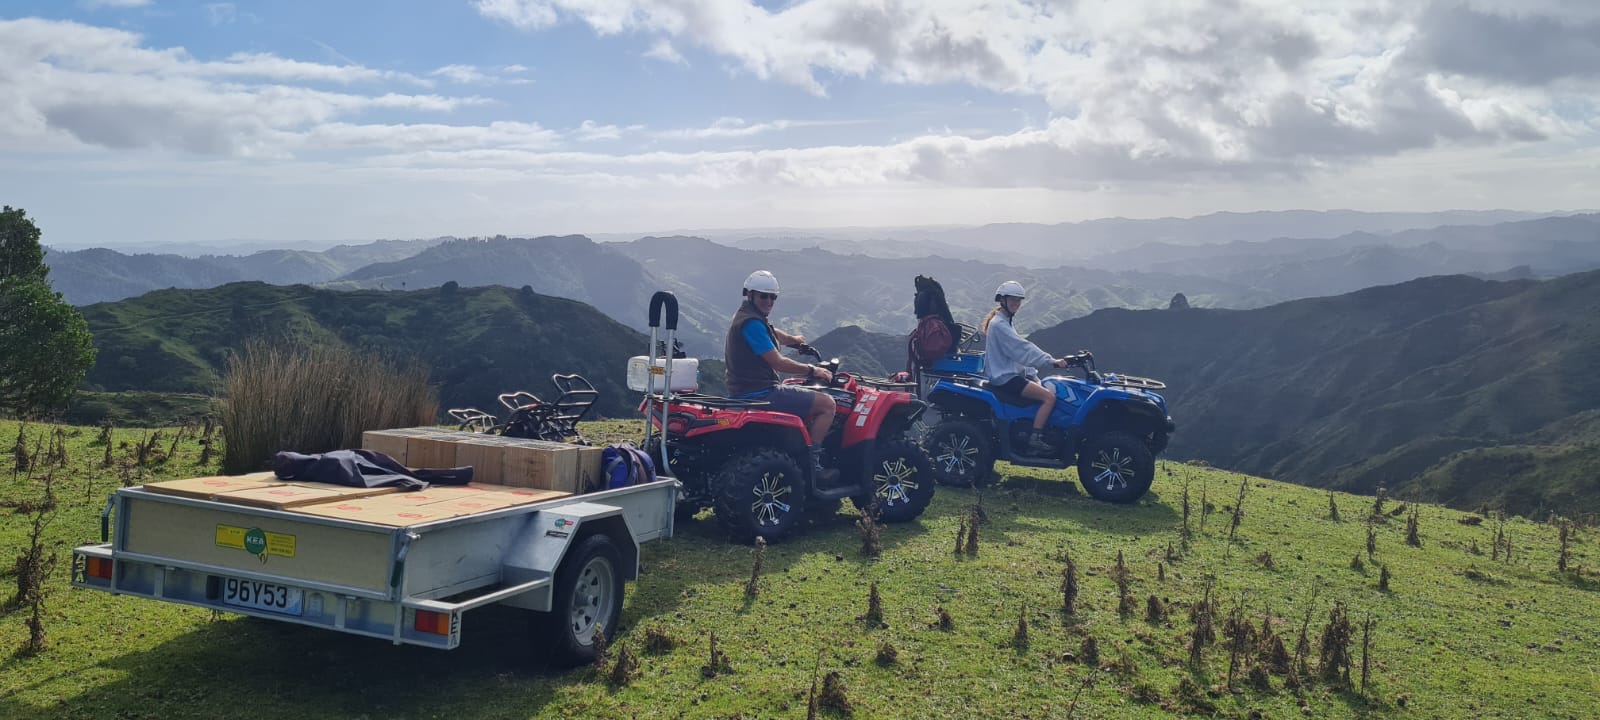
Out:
{"x": 958, "y": 455}
{"x": 1112, "y": 469}
{"x": 592, "y": 598}
{"x": 769, "y": 505}
{"x": 896, "y": 481}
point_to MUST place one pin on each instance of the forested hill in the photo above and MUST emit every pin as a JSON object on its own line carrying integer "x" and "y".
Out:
{"x": 1378, "y": 386}
{"x": 479, "y": 341}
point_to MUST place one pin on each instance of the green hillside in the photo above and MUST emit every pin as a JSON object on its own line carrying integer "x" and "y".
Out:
{"x": 1375, "y": 387}
{"x": 480, "y": 341}
{"x": 1459, "y": 630}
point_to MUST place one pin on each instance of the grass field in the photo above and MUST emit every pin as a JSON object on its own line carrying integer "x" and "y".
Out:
{"x": 1459, "y": 633}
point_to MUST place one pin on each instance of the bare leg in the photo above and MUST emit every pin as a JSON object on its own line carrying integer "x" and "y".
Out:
{"x": 1046, "y": 399}
{"x": 821, "y": 417}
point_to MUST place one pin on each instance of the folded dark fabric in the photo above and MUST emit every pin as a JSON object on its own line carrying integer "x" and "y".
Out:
{"x": 363, "y": 468}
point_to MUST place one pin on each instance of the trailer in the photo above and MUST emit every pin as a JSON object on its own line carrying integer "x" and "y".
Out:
{"x": 566, "y": 559}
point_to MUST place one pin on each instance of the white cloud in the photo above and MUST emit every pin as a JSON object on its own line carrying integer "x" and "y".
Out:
{"x": 96, "y": 4}
{"x": 1229, "y": 88}
{"x": 591, "y": 131}
{"x": 461, "y": 74}
{"x": 514, "y": 69}
{"x": 221, "y": 13}
{"x": 69, "y": 85}
{"x": 662, "y": 50}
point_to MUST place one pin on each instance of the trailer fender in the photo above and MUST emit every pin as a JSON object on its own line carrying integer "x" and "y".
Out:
{"x": 545, "y": 539}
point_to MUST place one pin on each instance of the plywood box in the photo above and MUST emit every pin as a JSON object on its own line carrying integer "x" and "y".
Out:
{"x": 591, "y": 474}
{"x": 393, "y": 442}
{"x": 205, "y": 487}
{"x": 484, "y": 455}
{"x": 430, "y": 451}
{"x": 542, "y": 465}
{"x": 290, "y": 495}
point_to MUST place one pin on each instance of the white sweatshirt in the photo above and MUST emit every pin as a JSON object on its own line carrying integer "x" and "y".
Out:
{"x": 1007, "y": 355}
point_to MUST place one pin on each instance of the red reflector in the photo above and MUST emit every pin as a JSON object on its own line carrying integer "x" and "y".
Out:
{"x": 429, "y": 621}
{"x": 99, "y": 568}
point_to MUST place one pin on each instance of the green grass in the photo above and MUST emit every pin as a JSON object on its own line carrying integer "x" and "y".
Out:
{"x": 1459, "y": 634}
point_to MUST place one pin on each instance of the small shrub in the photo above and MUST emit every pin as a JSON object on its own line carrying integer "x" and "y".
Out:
{"x": 1155, "y": 612}
{"x": 1383, "y": 578}
{"x": 874, "y": 615}
{"x": 942, "y": 620}
{"x": 1412, "y": 521}
{"x": 1333, "y": 508}
{"x": 1019, "y": 637}
{"x": 625, "y": 669}
{"x": 658, "y": 642}
{"x": 834, "y": 695}
{"x": 871, "y": 532}
{"x": 887, "y": 655}
{"x": 1335, "y": 647}
{"x": 1069, "y": 586}
{"x": 1089, "y": 651}
{"x": 758, "y": 556}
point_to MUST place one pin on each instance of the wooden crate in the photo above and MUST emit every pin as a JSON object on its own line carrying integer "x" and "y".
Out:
{"x": 485, "y": 454}
{"x": 591, "y": 475}
{"x": 541, "y": 465}
{"x": 394, "y": 442}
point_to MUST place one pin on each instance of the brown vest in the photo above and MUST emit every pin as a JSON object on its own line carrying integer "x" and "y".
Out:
{"x": 747, "y": 372}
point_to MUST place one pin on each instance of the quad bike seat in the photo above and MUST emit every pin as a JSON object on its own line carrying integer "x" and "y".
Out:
{"x": 1008, "y": 398}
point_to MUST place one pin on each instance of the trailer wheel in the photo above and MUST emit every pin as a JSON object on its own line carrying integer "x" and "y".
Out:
{"x": 588, "y": 594}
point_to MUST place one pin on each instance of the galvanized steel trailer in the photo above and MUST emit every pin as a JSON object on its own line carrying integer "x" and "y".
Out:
{"x": 565, "y": 558}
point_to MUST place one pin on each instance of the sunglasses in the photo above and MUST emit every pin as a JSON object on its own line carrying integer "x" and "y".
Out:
{"x": 764, "y": 296}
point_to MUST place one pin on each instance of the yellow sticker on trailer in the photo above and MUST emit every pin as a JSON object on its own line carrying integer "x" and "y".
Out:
{"x": 255, "y": 541}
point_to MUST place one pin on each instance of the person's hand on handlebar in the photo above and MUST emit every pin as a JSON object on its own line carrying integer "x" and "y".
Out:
{"x": 821, "y": 374}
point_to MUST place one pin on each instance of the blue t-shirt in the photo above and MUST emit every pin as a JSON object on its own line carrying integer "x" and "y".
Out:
{"x": 755, "y": 333}
{"x": 756, "y": 336}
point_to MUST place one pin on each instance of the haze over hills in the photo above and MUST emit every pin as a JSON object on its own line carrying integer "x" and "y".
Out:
{"x": 96, "y": 275}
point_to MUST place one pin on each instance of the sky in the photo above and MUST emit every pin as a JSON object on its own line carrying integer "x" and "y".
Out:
{"x": 142, "y": 121}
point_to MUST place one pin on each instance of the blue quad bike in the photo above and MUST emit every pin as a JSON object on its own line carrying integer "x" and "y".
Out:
{"x": 1112, "y": 426}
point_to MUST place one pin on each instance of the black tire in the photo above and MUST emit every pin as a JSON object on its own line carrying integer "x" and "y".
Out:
{"x": 587, "y": 593}
{"x": 960, "y": 453}
{"x": 760, "y": 492}
{"x": 901, "y": 481}
{"x": 1116, "y": 467}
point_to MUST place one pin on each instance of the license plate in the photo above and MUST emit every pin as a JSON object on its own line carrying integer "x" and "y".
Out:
{"x": 262, "y": 596}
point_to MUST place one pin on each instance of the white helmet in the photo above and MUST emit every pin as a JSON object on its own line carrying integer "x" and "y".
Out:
{"x": 761, "y": 281}
{"x": 1009, "y": 288}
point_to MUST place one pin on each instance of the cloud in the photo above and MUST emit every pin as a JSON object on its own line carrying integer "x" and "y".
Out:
{"x": 221, "y": 13}
{"x": 1213, "y": 88}
{"x": 67, "y": 85}
{"x": 97, "y": 4}
{"x": 732, "y": 127}
{"x": 662, "y": 50}
{"x": 461, "y": 74}
{"x": 591, "y": 131}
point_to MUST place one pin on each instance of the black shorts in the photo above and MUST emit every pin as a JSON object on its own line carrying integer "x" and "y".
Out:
{"x": 789, "y": 399}
{"x": 1014, "y": 386}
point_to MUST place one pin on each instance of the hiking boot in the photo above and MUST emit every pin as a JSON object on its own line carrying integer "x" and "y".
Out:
{"x": 823, "y": 475}
{"x": 1037, "y": 447}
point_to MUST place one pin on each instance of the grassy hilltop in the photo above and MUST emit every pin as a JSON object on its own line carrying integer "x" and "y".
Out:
{"x": 1460, "y": 632}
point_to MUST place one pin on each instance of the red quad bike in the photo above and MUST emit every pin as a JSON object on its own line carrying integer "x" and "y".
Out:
{"x": 754, "y": 465}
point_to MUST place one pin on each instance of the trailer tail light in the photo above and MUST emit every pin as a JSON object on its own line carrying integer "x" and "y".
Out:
{"x": 99, "y": 568}
{"x": 436, "y": 623}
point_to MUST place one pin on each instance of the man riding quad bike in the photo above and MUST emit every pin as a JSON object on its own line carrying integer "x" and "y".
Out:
{"x": 755, "y": 465}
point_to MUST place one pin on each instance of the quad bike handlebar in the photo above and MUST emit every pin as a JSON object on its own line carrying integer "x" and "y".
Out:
{"x": 831, "y": 364}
